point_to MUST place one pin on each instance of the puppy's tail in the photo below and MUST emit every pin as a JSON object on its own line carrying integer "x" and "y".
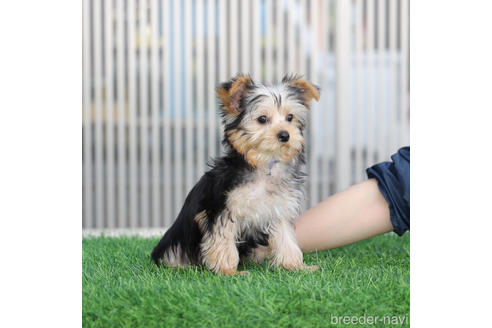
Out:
{"x": 156, "y": 255}
{"x": 184, "y": 233}
{"x": 160, "y": 249}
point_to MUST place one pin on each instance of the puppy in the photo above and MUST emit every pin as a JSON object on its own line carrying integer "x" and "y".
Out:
{"x": 245, "y": 205}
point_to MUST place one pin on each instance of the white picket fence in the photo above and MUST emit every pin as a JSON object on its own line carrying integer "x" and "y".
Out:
{"x": 150, "y": 68}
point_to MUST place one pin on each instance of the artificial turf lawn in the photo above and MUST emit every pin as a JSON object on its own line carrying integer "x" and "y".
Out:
{"x": 122, "y": 288}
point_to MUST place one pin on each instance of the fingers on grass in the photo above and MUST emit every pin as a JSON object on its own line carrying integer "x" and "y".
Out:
{"x": 302, "y": 267}
{"x": 233, "y": 273}
{"x": 310, "y": 268}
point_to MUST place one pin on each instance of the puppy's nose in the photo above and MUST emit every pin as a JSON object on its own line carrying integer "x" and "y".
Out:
{"x": 283, "y": 136}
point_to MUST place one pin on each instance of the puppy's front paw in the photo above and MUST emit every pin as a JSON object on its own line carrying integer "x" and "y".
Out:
{"x": 309, "y": 268}
{"x": 302, "y": 267}
{"x": 296, "y": 266}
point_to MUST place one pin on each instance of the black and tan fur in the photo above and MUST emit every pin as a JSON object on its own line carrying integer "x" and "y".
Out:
{"x": 245, "y": 205}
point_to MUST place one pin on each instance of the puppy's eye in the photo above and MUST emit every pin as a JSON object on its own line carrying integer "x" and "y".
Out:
{"x": 289, "y": 117}
{"x": 262, "y": 119}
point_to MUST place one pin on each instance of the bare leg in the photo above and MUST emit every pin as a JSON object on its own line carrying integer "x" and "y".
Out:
{"x": 357, "y": 213}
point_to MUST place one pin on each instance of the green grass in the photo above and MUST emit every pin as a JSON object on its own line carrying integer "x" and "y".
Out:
{"x": 122, "y": 288}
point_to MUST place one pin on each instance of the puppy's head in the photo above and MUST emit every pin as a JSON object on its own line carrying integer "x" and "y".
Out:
{"x": 265, "y": 123}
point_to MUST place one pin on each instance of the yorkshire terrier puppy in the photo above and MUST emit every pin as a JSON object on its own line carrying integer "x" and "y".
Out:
{"x": 244, "y": 207}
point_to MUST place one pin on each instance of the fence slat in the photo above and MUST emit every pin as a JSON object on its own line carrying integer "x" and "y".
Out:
{"x": 322, "y": 16}
{"x": 359, "y": 126}
{"x": 300, "y": 42}
{"x": 87, "y": 115}
{"x": 233, "y": 37}
{"x": 381, "y": 124}
{"x": 177, "y": 33}
{"x": 245, "y": 52}
{"x": 109, "y": 114}
{"x": 143, "y": 115}
{"x": 370, "y": 46}
{"x": 313, "y": 161}
{"x": 393, "y": 71}
{"x": 200, "y": 88}
{"x": 154, "y": 71}
{"x": 218, "y": 120}
{"x": 268, "y": 68}
{"x": 121, "y": 105}
{"x": 212, "y": 117}
{"x": 188, "y": 82}
{"x": 372, "y": 97}
{"x": 166, "y": 76}
{"x": 98, "y": 107}
{"x": 279, "y": 40}
{"x": 256, "y": 41}
{"x": 223, "y": 68}
{"x": 404, "y": 92}
{"x": 291, "y": 37}
{"x": 132, "y": 108}
{"x": 342, "y": 109}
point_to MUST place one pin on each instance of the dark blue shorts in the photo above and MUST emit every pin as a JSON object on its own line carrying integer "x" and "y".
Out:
{"x": 394, "y": 182}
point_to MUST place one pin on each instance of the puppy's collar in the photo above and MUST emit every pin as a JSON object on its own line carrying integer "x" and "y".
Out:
{"x": 272, "y": 164}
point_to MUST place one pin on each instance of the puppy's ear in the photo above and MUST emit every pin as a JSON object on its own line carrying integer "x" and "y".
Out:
{"x": 307, "y": 90}
{"x": 230, "y": 93}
